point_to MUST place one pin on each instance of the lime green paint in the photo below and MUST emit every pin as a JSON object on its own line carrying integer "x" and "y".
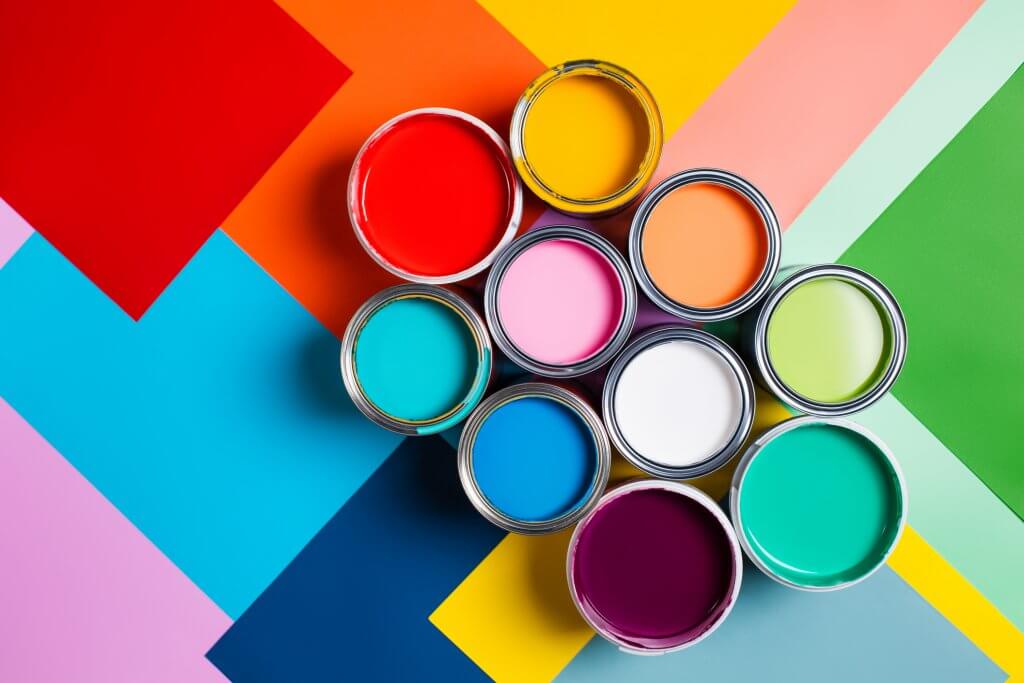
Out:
{"x": 820, "y": 505}
{"x": 827, "y": 340}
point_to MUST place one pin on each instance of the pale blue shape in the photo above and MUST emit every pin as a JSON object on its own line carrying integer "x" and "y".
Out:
{"x": 879, "y": 631}
{"x": 218, "y": 424}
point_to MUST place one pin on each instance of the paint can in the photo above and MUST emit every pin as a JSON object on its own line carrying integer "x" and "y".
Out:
{"x": 655, "y": 567}
{"x": 534, "y": 458}
{"x": 586, "y": 137}
{"x": 407, "y": 177}
{"x": 818, "y": 503}
{"x": 560, "y": 301}
{"x": 828, "y": 340}
{"x": 705, "y": 245}
{"x": 416, "y": 359}
{"x": 678, "y": 402}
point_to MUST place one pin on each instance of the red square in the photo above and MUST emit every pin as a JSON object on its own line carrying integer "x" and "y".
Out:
{"x": 129, "y": 130}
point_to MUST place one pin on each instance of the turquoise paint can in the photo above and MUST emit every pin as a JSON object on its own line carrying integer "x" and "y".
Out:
{"x": 416, "y": 359}
{"x": 534, "y": 458}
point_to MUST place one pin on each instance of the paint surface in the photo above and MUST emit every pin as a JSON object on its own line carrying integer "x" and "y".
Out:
{"x": 828, "y": 341}
{"x": 820, "y": 505}
{"x": 654, "y": 567}
{"x": 704, "y": 245}
{"x": 434, "y": 195}
{"x": 535, "y": 459}
{"x": 678, "y": 403}
{"x": 561, "y": 301}
{"x": 416, "y": 358}
{"x": 585, "y": 136}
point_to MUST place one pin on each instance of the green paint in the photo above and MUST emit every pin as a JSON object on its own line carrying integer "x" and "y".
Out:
{"x": 820, "y": 505}
{"x": 416, "y": 359}
{"x": 951, "y": 248}
{"x": 828, "y": 341}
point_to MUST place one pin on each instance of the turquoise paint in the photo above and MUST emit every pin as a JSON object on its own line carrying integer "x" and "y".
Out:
{"x": 820, "y": 505}
{"x": 535, "y": 459}
{"x": 416, "y": 359}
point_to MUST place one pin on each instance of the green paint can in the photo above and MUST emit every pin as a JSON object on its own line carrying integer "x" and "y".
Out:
{"x": 818, "y": 503}
{"x": 828, "y": 340}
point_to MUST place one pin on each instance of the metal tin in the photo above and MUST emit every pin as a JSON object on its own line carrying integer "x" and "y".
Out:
{"x": 567, "y": 398}
{"x": 682, "y": 489}
{"x": 664, "y": 335}
{"x": 771, "y": 225}
{"x": 756, "y": 337}
{"x": 480, "y": 336}
{"x": 516, "y": 190}
{"x": 758, "y": 445}
{"x": 623, "y": 196}
{"x": 520, "y": 245}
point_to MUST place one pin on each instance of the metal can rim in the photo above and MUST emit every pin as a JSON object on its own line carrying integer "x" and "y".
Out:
{"x": 795, "y": 423}
{"x": 458, "y": 412}
{"x": 661, "y": 335}
{"x": 749, "y": 192}
{"x": 497, "y": 274}
{"x": 881, "y": 296}
{"x": 682, "y": 488}
{"x": 468, "y": 440}
{"x": 516, "y": 198}
{"x": 626, "y": 194}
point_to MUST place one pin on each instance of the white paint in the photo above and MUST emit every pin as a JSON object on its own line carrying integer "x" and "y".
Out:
{"x": 678, "y": 403}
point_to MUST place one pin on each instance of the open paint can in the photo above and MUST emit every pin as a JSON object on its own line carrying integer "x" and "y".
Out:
{"x": 560, "y": 301}
{"x": 678, "y": 402}
{"x": 655, "y": 567}
{"x": 534, "y": 458}
{"x": 705, "y": 245}
{"x": 433, "y": 195}
{"x": 818, "y": 503}
{"x": 828, "y": 339}
{"x": 416, "y": 359}
{"x": 586, "y": 137}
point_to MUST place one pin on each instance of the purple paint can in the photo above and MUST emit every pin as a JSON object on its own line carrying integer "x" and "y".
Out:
{"x": 655, "y": 566}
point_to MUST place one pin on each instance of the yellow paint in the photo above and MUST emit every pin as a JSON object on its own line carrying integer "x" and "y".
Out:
{"x": 585, "y": 136}
{"x": 682, "y": 51}
{"x": 960, "y": 602}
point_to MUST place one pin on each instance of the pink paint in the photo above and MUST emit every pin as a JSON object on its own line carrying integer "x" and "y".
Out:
{"x": 85, "y": 596}
{"x": 13, "y": 232}
{"x": 560, "y": 301}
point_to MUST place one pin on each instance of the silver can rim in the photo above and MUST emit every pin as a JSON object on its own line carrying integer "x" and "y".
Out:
{"x": 746, "y": 189}
{"x": 516, "y": 189}
{"x": 879, "y": 293}
{"x": 459, "y": 412}
{"x": 681, "y": 488}
{"x": 497, "y": 275}
{"x": 468, "y": 439}
{"x": 758, "y": 446}
{"x": 663, "y": 335}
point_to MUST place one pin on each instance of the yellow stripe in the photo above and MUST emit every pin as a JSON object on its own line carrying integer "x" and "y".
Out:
{"x": 682, "y": 51}
{"x": 960, "y": 602}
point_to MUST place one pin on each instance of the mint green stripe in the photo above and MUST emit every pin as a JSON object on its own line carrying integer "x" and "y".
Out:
{"x": 949, "y": 506}
{"x": 981, "y": 57}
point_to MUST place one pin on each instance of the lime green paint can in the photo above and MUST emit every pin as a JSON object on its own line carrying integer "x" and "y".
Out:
{"x": 829, "y": 340}
{"x": 818, "y": 503}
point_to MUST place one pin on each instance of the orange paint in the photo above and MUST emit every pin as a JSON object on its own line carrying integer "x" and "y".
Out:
{"x": 704, "y": 245}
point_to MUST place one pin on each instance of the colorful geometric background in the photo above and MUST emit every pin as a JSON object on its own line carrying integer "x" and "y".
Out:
{"x": 187, "y": 494}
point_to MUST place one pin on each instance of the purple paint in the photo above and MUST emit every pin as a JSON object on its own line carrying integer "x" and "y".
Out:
{"x": 655, "y": 566}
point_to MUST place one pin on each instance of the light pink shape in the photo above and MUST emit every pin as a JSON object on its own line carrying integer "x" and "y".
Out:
{"x": 13, "y": 232}
{"x": 84, "y": 596}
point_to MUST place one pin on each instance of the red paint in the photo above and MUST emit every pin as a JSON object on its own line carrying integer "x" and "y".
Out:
{"x": 433, "y": 194}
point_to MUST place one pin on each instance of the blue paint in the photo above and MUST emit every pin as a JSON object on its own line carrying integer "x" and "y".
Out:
{"x": 416, "y": 359}
{"x": 535, "y": 459}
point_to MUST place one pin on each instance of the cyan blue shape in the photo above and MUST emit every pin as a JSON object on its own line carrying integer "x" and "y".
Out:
{"x": 354, "y": 604}
{"x": 217, "y": 424}
{"x": 879, "y": 631}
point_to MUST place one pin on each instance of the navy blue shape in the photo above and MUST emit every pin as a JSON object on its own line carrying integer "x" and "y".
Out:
{"x": 354, "y": 604}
